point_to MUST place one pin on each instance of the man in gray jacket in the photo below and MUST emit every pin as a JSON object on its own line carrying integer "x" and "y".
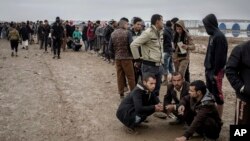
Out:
{"x": 151, "y": 43}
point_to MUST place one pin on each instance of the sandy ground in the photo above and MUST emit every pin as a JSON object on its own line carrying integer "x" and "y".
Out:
{"x": 75, "y": 99}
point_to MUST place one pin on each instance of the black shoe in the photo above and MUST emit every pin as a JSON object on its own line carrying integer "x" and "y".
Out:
{"x": 54, "y": 57}
{"x": 59, "y": 57}
{"x": 12, "y": 54}
{"x": 130, "y": 130}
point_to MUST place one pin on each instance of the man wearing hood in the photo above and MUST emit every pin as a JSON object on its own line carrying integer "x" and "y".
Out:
{"x": 57, "y": 35}
{"x": 200, "y": 108}
{"x": 238, "y": 74}
{"x": 215, "y": 59}
{"x": 140, "y": 104}
{"x": 183, "y": 45}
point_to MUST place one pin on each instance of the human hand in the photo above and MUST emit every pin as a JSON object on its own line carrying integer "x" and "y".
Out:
{"x": 181, "y": 110}
{"x": 158, "y": 107}
{"x": 170, "y": 108}
{"x": 137, "y": 65}
{"x": 184, "y": 46}
{"x": 182, "y": 138}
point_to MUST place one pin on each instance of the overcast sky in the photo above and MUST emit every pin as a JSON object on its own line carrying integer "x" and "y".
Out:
{"x": 21, "y": 10}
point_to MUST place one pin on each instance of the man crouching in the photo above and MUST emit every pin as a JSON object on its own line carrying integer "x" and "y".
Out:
{"x": 200, "y": 105}
{"x": 139, "y": 104}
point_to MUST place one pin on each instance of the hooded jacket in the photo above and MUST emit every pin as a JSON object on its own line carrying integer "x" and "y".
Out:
{"x": 187, "y": 40}
{"x": 139, "y": 102}
{"x": 216, "y": 55}
{"x": 238, "y": 70}
{"x": 13, "y": 34}
{"x": 203, "y": 109}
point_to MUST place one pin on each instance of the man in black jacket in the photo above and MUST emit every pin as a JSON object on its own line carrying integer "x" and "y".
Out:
{"x": 57, "y": 35}
{"x": 200, "y": 105}
{"x": 215, "y": 60}
{"x": 140, "y": 104}
{"x": 168, "y": 51}
{"x": 176, "y": 91}
{"x": 46, "y": 31}
{"x": 107, "y": 35}
{"x": 238, "y": 74}
{"x": 136, "y": 32}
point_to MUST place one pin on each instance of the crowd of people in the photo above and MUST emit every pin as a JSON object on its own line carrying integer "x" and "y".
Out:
{"x": 142, "y": 57}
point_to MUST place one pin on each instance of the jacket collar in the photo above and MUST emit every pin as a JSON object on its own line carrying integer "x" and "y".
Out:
{"x": 142, "y": 87}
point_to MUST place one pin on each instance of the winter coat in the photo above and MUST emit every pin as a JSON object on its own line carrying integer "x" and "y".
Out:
{"x": 139, "y": 102}
{"x": 216, "y": 55}
{"x": 238, "y": 70}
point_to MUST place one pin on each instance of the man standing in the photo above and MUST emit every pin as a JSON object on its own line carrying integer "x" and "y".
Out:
{"x": 151, "y": 43}
{"x": 168, "y": 51}
{"x": 140, "y": 104}
{"x": 200, "y": 112}
{"x": 215, "y": 60}
{"x": 107, "y": 34}
{"x": 46, "y": 31}
{"x": 238, "y": 74}
{"x": 136, "y": 32}
{"x": 57, "y": 35}
{"x": 119, "y": 46}
{"x": 14, "y": 38}
{"x": 41, "y": 34}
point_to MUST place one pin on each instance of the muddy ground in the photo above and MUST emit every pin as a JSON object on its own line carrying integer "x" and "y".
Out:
{"x": 75, "y": 98}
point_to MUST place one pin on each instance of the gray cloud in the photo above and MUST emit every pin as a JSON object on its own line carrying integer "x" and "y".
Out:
{"x": 107, "y": 9}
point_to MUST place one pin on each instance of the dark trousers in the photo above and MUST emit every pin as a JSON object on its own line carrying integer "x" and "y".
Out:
{"x": 106, "y": 50}
{"x": 57, "y": 46}
{"x": 157, "y": 71}
{"x": 44, "y": 42}
{"x": 187, "y": 74}
{"x": 14, "y": 45}
{"x": 215, "y": 85}
{"x": 209, "y": 128}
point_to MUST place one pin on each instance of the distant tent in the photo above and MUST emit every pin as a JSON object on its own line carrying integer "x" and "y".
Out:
{"x": 248, "y": 30}
{"x": 223, "y": 27}
{"x": 236, "y": 30}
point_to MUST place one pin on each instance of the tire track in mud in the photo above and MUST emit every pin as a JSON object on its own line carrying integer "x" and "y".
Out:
{"x": 63, "y": 110}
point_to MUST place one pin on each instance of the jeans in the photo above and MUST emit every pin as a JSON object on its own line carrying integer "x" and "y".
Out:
{"x": 157, "y": 71}
{"x": 168, "y": 64}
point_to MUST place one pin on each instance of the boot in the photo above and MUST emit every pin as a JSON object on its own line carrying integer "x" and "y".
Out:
{"x": 12, "y": 54}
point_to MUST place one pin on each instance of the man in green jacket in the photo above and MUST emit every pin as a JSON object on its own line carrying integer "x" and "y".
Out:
{"x": 151, "y": 43}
